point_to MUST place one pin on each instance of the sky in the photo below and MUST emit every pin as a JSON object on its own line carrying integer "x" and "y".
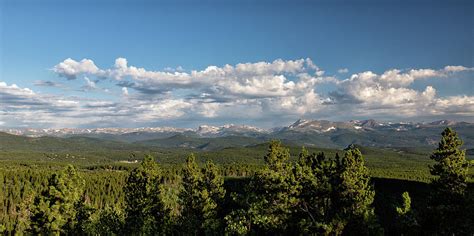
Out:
{"x": 183, "y": 63}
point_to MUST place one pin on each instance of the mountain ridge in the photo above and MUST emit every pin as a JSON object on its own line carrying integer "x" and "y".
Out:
{"x": 301, "y": 125}
{"x": 317, "y": 133}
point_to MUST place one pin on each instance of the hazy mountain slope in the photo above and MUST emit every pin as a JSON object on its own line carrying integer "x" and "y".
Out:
{"x": 130, "y": 137}
{"x": 10, "y": 142}
{"x": 183, "y": 141}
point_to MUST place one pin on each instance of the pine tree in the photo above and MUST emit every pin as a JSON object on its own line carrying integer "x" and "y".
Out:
{"x": 213, "y": 198}
{"x": 201, "y": 198}
{"x": 354, "y": 195}
{"x": 451, "y": 167}
{"x": 53, "y": 212}
{"x": 449, "y": 187}
{"x": 110, "y": 222}
{"x": 405, "y": 208}
{"x": 315, "y": 174}
{"x": 83, "y": 221}
{"x": 406, "y": 220}
{"x": 272, "y": 197}
{"x": 145, "y": 211}
{"x": 190, "y": 197}
{"x": 277, "y": 157}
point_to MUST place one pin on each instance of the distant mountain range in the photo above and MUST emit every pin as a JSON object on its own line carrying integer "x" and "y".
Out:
{"x": 319, "y": 133}
{"x": 372, "y": 133}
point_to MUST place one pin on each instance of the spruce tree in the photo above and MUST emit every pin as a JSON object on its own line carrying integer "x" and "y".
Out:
{"x": 53, "y": 211}
{"x": 145, "y": 211}
{"x": 446, "y": 215}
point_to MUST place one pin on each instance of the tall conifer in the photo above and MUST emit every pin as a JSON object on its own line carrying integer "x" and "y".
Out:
{"x": 447, "y": 202}
{"x": 53, "y": 211}
{"x": 145, "y": 211}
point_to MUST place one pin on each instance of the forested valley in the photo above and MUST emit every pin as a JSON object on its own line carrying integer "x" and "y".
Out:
{"x": 309, "y": 193}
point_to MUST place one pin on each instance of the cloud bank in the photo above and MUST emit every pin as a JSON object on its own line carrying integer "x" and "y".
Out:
{"x": 261, "y": 92}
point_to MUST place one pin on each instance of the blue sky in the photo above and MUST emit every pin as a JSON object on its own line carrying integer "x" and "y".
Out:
{"x": 176, "y": 37}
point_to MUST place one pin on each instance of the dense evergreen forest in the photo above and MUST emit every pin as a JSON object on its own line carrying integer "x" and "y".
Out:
{"x": 311, "y": 193}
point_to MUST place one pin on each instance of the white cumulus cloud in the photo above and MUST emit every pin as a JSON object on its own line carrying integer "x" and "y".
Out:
{"x": 265, "y": 91}
{"x": 124, "y": 91}
{"x": 70, "y": 68}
